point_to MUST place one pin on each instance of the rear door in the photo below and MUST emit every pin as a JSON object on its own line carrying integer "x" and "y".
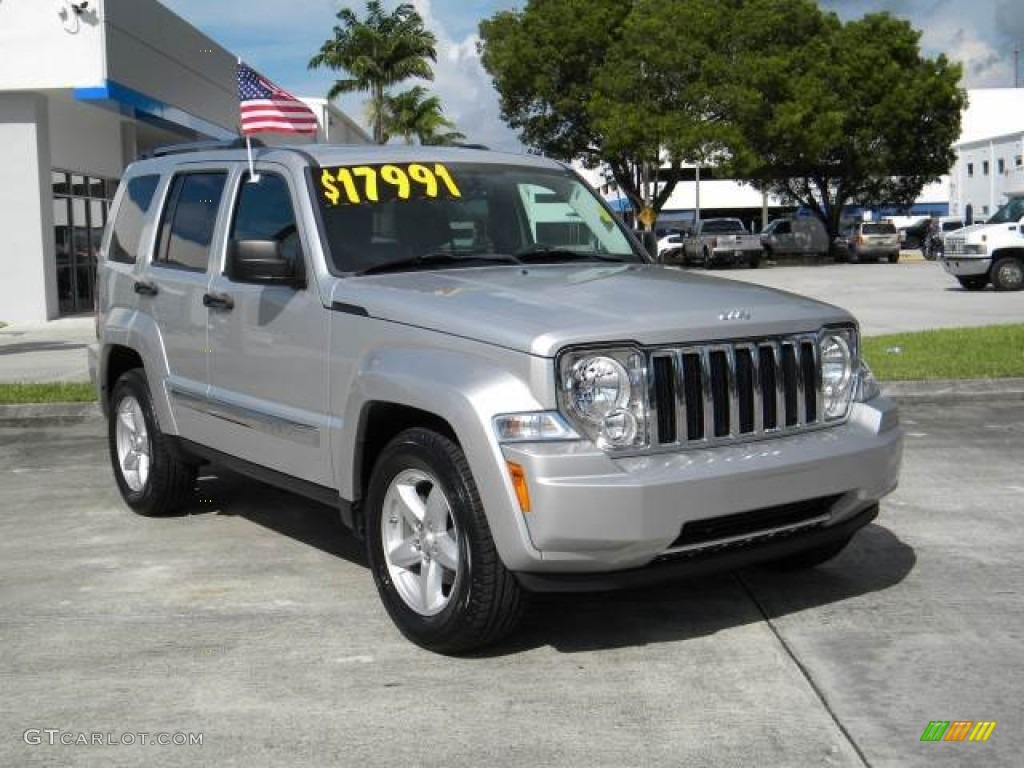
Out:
{"x": 268, "y": 343}
{"x": 176, "y": 284}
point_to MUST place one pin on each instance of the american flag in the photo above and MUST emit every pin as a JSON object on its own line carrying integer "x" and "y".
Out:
{"x": 265, "y": 107}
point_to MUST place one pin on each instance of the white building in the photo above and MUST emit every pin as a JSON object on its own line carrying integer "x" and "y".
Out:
{"x": 990, "y": 152}
{"x": 84, "y": 89}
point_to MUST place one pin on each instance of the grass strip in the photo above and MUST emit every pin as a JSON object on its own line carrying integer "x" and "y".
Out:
{"x": 988, "y": 352}
{"x": 48, "y": 392}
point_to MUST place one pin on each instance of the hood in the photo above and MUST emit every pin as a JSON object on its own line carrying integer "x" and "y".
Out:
{"x": 540, "y": 309}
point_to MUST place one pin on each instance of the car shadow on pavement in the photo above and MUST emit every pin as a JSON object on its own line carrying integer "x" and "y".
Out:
{"x": 875, "y": 560}
{"x": 573, "y": 623}
{"x": 318, "y": 525}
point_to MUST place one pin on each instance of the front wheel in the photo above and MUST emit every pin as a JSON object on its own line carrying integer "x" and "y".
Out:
{"x": 1008, "y": 274}
{"x": 430, "y": 548}
{"x": 707, "y": 264}
{"x": 152, "y": 479}
{"x": 894, "y": 257}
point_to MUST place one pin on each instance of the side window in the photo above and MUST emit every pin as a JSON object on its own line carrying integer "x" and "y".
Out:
{"x": 264, "y": 212}
{"x": 131, "y": 215}
{"x": 189, "y": 219}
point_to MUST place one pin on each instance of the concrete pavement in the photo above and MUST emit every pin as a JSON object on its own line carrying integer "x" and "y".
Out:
{"x": 253, "y": 621}
{"x": 53, "y": 351}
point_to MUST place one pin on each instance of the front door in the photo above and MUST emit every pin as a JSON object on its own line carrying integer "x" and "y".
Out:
{"x": 268, "y": 344}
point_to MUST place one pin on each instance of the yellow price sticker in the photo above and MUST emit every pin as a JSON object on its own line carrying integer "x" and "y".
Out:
{"x": 353, "y": 185}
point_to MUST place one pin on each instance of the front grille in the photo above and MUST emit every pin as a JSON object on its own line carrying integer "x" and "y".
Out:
{"x": 718, "y": 393}
{"x": 954, "y": 246}
{"x": 758, "y": 522}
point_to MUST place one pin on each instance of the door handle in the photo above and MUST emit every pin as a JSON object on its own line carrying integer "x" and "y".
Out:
{"x": 218, "y": 301}
{"x": 146, "y": 288}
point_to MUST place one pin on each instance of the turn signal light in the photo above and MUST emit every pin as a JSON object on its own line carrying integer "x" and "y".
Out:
{"x": 518, "y": 475}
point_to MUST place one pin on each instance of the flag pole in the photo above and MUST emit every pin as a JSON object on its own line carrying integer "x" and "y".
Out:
{"x": 248, "y": 142}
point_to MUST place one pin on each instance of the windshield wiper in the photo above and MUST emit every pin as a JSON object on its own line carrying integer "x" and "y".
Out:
{"x": 437, "y": 258}
{"x": 541, "y": 252}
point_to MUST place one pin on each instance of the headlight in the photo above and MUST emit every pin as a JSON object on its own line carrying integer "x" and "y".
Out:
{"x": 603, "y": 395}
{"x": 976, "y": 248}
{"x": 838, "y": 353}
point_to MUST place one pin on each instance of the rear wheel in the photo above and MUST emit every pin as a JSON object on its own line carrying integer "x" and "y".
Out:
{"x": 754, "y": 261}
{"x": 153, "y": 481}
{"x": 707, "y": 264}
{"x": 430, "y": 547}
{"x": 973, "y": 282}
{"x": 894, "y": 257}
{"x": 1008, "y": 274}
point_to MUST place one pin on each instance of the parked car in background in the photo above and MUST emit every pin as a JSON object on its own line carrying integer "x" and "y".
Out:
{"x": 671, "y": 240}
{"x": 802, "y": 235}
{"x": 912, "y": 236}
{"x": 935, "y": 239}
{"x": 720, "y": 241}
{"x": 992, "y": 252}
{"x": 871, "y": 241}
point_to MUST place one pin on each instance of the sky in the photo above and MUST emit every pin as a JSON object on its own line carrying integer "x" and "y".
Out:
{"x": 278, "y": 38}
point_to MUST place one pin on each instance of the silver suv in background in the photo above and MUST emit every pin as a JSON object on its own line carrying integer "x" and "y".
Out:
{"x": 468, "y": 356}
{"x": 871, "y": 241}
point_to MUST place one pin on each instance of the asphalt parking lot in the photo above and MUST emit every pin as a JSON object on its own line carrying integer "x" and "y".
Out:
{"x": 253, "y": 622}
{"x": 911, "y": 295}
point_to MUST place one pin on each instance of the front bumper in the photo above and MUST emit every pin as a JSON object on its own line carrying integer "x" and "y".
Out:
{"x": 734, "y": 255}
{"x": 593, "y": 513}
{"x": 966, "y": 266}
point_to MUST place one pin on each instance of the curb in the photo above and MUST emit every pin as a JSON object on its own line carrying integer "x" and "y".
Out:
{"x": 47, "y": 414}
{"x": 954, "y": 390}
{"x": 938, "y": 391}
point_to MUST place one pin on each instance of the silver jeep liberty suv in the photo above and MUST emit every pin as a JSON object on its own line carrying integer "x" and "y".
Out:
{"x": 471, "y": 358}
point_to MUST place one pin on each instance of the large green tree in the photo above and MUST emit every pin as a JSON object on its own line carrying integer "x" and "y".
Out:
{"x": 853, "y": 114}
{"x": 776, "y": 91}
{"x": 417, "y": 114}
{"x": 377, "y": 52}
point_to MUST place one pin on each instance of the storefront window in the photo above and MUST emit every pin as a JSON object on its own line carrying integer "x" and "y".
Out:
{"x": 80, "y": 207}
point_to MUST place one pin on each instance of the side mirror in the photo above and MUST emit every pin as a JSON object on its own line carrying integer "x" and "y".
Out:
{"x": 260, "y": 261}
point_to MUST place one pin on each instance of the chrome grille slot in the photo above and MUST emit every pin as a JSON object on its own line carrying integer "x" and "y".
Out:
{"x": 726, "y": 392}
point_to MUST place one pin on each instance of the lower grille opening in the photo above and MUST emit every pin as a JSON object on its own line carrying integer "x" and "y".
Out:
{"x": 698, "y": 532}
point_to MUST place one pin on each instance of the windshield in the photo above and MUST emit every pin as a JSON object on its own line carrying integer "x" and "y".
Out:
{"x": 724, "y": 226}
{"x": 407, "y": 214}
{"x": 1009, "y": 213}
{"x": 878, "y": 229}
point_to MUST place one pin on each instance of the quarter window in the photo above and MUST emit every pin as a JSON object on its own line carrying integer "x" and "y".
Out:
{"x": 189, "y": 220}
{"x": 131, "y": 216}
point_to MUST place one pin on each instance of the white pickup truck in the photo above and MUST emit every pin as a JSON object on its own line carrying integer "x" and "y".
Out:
{"x": 721, "y": 241}
{"x": 991, "y": 252}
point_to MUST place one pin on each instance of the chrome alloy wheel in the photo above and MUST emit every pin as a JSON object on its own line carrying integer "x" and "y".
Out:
{"x": 421, "y": 541}
{"x": 134, "y": 452}
{"x": 1010, "y": 273}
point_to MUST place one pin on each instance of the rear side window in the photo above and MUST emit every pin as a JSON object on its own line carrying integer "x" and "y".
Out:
{"x": 131, "y": 216}
{"x": 189, "y": 219}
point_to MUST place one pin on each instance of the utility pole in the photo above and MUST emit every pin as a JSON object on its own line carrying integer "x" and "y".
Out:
{"x": 1016, "y": 66}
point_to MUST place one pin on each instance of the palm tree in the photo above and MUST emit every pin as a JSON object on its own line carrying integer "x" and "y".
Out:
{"x": 417, "y": 114}
{"x": 377, "y": 52}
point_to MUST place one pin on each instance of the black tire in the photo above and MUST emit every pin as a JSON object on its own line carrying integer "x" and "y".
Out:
{"x": 809, "y": 558}
{"x": 484, "y": 600}
{"x": 1008, "y": 274}
{"x": 754, "y": 261}
{"x": 707, "y": 262}
{"x": 168, "y": 482}
{"x": 894, "y": 257}
{"x": 973, "y": 282}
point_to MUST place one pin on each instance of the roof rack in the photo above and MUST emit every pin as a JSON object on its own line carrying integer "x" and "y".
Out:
{"x": 199, "y": 146}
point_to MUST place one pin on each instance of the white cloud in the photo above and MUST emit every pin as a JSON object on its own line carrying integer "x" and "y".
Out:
{"x": 465, "y": 88}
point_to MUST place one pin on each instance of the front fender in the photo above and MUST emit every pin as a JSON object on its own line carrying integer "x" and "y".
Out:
{"x": 465, "y": 390}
